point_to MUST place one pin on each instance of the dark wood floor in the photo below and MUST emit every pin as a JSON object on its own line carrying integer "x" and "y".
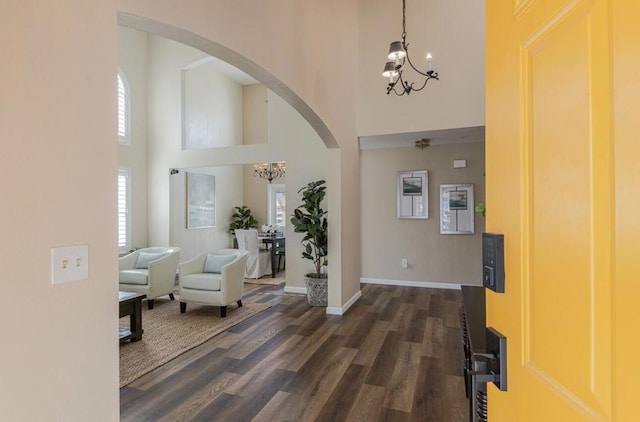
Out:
{"x": 395, "y": 356}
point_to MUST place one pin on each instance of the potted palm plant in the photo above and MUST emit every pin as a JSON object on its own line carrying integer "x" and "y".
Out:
{"x": 310, "y": 219}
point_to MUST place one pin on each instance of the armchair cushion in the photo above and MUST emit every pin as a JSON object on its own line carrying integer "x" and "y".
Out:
{"x": 145, "y": 258}
{"x": 214, "y": 263}
{"x": 139, "y": 276}
{"x": 202, "y": 281}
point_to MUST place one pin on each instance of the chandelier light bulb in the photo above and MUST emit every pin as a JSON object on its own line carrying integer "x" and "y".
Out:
{"x": 429, "y": 60}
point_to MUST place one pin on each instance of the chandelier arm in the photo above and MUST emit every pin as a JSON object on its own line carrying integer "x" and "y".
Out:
{"x": 408, "y": 59}
{"x": 399, "y": 94}
{"x": 424, "y": 84}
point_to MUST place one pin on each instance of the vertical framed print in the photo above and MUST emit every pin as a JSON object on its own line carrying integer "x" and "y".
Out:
{"x": 456, "y": 209}
{"x": 413, "y": 194}
{"x": 201, "y": 202}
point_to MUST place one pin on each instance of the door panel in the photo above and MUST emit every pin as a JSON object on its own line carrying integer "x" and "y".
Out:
{"x": 553, "y": 138}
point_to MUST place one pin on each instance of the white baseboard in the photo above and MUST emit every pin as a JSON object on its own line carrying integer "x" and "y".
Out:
{"x": 341, "y": 311}
{"x": 428, "y": 284}
{"x": 296, "y": 290}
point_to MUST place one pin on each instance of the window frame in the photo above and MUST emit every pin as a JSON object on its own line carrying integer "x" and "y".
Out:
{"x": 126, "y": 172}
{"x": 125, "y": 139}
{"x": 273, "y": 189}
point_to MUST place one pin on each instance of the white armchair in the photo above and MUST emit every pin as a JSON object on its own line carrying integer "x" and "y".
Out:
{"x": 258, "y": 261}
{"x": 214, "y": 278}
{"x": 151, "y": 271}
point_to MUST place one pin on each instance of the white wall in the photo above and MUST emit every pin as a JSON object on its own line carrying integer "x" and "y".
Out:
{"x": 254, "y": 111}
{"x": 453, "y": 31}
{"x": 228, "y": 193}
{"x": 307, "y": 160}
{"x": 432, "y": 257}
{"x": 212, "y": 108}
{"x": 59, "y": 354}
{"x": 132, "y": 60}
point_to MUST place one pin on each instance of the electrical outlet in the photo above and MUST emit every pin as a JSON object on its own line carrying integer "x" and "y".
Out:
{"x": 69, "y": 263}
{"x": 405, "y": 263}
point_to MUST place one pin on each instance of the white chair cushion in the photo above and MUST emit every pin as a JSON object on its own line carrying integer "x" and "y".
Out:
{"x": 214, "y": 263}
{"x": 203, "y": 281}
{"x": 140, "y": 277}
{"x": 145, "y": 258}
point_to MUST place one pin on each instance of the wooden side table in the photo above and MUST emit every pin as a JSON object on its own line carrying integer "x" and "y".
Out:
{"x": 131, "y": 304}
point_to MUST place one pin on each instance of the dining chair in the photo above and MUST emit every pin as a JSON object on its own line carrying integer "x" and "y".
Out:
{"x": 258, "y": 261}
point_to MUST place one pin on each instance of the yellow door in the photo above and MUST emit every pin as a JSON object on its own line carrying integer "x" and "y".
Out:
{"x": 563, "y": 186}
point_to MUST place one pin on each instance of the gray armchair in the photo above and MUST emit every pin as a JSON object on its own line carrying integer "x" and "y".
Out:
{"x": 151, "y": 271}
{"x": 214, "y": 278}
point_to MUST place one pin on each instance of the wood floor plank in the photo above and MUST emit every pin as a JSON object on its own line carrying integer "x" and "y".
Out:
{"x": 403, "y": 318}
{"x": 425, "y": 399}
{"x": 385, "y": 359}
{"x": 401, "y": 383}
{"x": 359, "y": 330}
{"x": 188, "y": 409}
{"x": 394, "y": 356}
{"x": 317, "y": 393}
{"x": 368, "y": 404}
{"x": 307, "y": 347}
{"x": 264, "y": 349}
{"x": 273, "y": 408}
{"x": 341, "y": 401}
{"x": 368, "y": 350}
{"x": 390, "y": 311}
{"x": 432, "y": 342}
{"x": 176, "y": 389}
{"x": 392, "y": 415}
{"x": 255, "y": 377}
{"x": 458, "y": 409}
{"x": 436, "y": 306}
{"x": 415, "y": 330}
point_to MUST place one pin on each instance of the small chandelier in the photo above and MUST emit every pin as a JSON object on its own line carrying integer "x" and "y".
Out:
{"x": 422, "y": 143}
{"x": 269, "y": 171}
{"x": 399, "y": 53}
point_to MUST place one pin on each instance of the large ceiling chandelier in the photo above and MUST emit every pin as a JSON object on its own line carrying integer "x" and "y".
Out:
{"x": 269, "y": 171}
{"x": 399, "y": 53}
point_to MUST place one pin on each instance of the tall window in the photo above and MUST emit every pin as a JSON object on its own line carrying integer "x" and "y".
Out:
{"x": 124, "y": 110}
{"x": 124, "y": 211}
{"x": 277, "y": 204}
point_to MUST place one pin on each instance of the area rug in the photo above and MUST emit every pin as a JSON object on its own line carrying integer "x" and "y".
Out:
{"x": 168, "y": 333}
{"x": 265, "y": 280}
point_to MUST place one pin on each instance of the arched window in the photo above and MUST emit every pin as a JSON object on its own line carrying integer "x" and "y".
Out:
{"x": 124, "y": 110}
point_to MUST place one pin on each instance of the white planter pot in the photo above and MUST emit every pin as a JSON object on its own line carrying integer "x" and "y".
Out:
{"x": 317, "y": 290}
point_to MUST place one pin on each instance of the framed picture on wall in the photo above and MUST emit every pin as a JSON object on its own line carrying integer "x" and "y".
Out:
{"x": 456, "y": 209}
{"x": 413, "y": 198}
{"x": 201, "y": 202}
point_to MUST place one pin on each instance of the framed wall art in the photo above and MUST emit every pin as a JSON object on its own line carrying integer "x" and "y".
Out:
{"x": 201, "y": 202}
{"x": 456, "y": 209}
{"x": 413, "y": 194}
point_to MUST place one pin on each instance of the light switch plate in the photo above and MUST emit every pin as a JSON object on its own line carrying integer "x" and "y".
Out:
{"x": 69, "y": 263}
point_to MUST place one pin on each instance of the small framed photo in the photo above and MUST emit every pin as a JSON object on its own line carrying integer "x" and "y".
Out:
{"x": 456, "y": 209}
{"x": 413, "y": 200}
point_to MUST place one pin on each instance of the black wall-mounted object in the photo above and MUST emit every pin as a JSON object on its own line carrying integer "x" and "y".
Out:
{"x": 493, "y": 262}
{"x": 485, "y": 353}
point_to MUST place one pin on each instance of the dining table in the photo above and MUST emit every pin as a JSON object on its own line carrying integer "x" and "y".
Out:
{"x": 275, "y": 244}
